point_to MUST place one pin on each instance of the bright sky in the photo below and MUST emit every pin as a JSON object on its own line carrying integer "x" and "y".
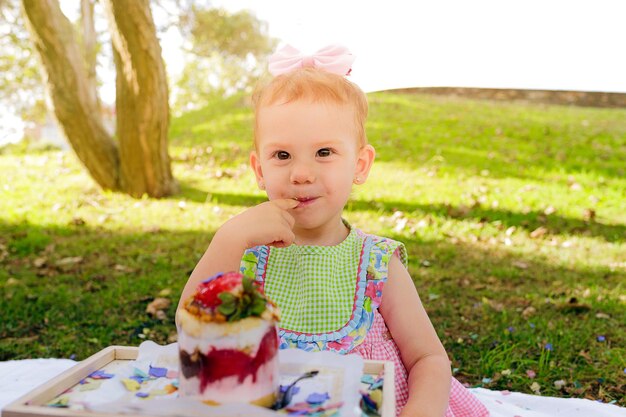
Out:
{"x": 533, "y": 44}
{"x": 529, "y": 44}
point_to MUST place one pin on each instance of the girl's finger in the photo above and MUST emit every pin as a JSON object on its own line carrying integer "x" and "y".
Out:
{"x": 286, "y": 203}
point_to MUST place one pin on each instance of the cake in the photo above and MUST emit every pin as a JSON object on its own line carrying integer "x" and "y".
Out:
{"x": 228, "y": 342}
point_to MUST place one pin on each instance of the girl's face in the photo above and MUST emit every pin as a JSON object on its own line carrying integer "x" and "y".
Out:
{"x": 310, "y": 152}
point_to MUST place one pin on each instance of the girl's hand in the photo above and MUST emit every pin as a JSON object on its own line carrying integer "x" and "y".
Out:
{"x": 268, "y": 223}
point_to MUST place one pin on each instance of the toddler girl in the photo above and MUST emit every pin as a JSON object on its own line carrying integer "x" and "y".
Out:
{"x": 338, "y": 288}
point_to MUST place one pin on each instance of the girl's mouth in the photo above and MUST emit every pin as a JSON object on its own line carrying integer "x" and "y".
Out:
{"x": 304, "y": 201}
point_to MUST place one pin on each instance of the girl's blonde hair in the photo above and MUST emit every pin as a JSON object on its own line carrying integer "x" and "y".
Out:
{"x": 317, "y": 86}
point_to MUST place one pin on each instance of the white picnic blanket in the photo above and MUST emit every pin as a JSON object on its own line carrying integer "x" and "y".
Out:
{"x": 19, "y": 377}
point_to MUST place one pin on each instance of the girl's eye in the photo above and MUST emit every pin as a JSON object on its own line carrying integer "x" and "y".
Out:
{"x": 324, "y": 152}
{"x": 282, "y": 155}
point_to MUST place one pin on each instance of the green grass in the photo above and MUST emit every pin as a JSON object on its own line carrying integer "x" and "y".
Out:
{"x": 514, "y": 216}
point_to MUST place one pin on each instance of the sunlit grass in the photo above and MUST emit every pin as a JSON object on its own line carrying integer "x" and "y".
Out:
{"x": 514, "y": 216}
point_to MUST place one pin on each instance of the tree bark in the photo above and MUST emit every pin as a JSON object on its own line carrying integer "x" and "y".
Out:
{"x": 90, "y": 50}
{"x": 140, "y": 164}
{"x": 141, "y": 100}
{"x": 67, "y": 85}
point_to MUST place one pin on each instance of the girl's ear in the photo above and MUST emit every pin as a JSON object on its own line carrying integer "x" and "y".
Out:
{"x": 366, "y": 157}
{"x": 255, "y": 164}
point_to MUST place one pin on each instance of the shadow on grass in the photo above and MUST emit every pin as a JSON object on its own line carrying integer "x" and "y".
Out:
{"x": 75, "y": 289}
{"x": 554, "y": 223}
{"x": 198, "y": 195}
{"x": 189, "y": 192}
{"x": 529, "y": 221}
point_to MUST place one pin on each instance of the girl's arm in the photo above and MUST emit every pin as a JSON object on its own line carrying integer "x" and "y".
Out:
{"x": 421, "y": 350}
{"x": 268, "y": 223}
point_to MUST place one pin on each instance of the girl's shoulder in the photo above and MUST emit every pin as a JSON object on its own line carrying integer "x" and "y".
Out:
{"x": 381, "y": 249}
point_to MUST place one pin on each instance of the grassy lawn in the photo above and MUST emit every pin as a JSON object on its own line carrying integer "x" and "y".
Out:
{"x": 514, "y": 216}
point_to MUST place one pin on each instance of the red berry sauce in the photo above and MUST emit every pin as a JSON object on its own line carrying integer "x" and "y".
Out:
{"x": 222, "y": 363}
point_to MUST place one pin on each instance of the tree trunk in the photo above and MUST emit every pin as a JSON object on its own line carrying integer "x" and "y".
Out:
{"x": 141, "y": 164}
{"x": 141, "y": 100}
{"x": 90, "y": 50}
{"x": 67, "y": 85}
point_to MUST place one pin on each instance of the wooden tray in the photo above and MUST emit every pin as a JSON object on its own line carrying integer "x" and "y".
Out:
{"x": 33, "y": 403}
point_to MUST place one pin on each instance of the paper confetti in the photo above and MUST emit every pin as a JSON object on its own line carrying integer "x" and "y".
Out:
{"x": 90, "y": 386}
{"x": 369, "y": 403}
{"x": 61, "y": 402}
{"x": 377, "y": 397}
{"x": 294, "y": 390}
{"x": 377, "y": 384}
{"x": 171, "y": 374}
{"x": 100, "y": 375}
{"x": 142, "y": 395}
{"x": 367, "y": 379}
{"x": 298, "y": 408}
{"x": 317, "y": 397}
{"x": 138, "y": 378}
{"x": 131, "y": 384}
{"x": 157, "y": 372}
{"x": 140, "y": 373}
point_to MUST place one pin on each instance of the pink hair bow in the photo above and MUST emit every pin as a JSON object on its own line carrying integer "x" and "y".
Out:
{"x": 335, "y": 59}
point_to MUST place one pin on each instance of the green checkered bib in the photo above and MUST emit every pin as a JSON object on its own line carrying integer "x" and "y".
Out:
{"x": 314, "y": 286}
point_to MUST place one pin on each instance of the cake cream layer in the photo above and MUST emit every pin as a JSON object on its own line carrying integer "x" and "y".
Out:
{"x": 240, "y": 335}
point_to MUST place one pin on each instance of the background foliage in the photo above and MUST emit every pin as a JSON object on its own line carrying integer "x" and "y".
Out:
{"x": 21, "y": 89}
{"x": 224, "y": 54}
{"x": 227, "y": 54}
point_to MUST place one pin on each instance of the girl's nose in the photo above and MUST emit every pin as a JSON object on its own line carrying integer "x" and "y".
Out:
{"x": 302, "y": 173}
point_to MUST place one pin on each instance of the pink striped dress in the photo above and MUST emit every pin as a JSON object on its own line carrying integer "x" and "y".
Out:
{"x": 365, "y": 332}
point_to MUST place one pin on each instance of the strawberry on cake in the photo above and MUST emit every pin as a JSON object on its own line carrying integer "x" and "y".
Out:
{"x": 228, "y": 342}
